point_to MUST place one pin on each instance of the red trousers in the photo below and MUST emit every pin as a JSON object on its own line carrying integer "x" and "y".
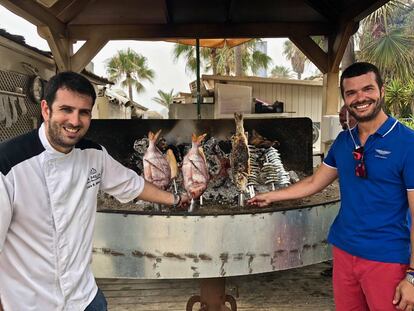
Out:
{"x": 361, "y": 285}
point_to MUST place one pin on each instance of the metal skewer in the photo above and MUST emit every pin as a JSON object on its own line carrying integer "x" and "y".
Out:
{"x": 192, "y": 205}
{"x": 241, "y": 199}
{"x": 175, "y": 186}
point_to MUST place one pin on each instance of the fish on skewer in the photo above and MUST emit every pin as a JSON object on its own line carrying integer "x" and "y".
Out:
{"x": 240, "y": 156}
{"x": 259, "y": 141}
{"x": 156, "y": 168}
{"x": 195, "y": 171}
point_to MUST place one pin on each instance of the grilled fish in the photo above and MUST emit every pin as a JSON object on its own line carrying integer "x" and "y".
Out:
{"x": 195, "y": 171}
{"x": 156, "y": 168}
{"x": 239, "y": 156}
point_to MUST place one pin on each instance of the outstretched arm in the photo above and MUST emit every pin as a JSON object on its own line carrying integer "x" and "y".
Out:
{"x": 153, "y": 194}
{"x": 324, "y": 176}
{"x": 404, "y": 293}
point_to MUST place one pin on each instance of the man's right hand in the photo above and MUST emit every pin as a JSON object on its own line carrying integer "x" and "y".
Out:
{"x": 261, "y": 200}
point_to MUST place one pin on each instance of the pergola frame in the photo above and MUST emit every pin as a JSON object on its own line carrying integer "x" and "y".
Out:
{"x": 63, "y": 22}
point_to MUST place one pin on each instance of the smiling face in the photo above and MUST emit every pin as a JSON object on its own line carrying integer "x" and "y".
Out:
{"x": 68, "y": 120}
{"x": 362, "y": 97}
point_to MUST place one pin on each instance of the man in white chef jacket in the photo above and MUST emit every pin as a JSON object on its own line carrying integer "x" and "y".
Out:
{"x": 49, "y": 181}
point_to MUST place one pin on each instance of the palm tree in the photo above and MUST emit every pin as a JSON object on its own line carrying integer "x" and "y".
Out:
{"x": 246, "y": 57}
{"x": 164, "y": 98}
{"x": 207, "y": 57}
{"x": 295, "y": 56}
{"x": 129, "y": 68}
{"x": 279, "y": 71}
{"x": 222, "y": 61}
{"x": 387, "y": 40}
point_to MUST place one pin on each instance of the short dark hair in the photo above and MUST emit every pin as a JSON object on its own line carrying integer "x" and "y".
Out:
{"x": 358, "y": 69}
{"x": 71, "y": 81}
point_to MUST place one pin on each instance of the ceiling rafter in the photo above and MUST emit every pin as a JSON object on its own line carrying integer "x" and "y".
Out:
{"x": 324, "y": 8}
{"x": 161, "y": 31}
{"x": 36, "y": 14}
{"x": 59, "y": 6}
{"x": 86, "y": 53}
{"x": 362, "y": 9}
{"x": 72, "y": 9}
{"x": 338, "y": 43}
{"x": 230, "y": 10}
{"x": 61, "y": 48}
{"x": 165, "y": 7}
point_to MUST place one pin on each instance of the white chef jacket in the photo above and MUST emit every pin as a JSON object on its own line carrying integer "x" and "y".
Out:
{"x": 47, "y": 214}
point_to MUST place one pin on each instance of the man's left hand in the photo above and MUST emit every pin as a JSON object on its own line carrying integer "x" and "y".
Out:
{"x": 404, "y": 296}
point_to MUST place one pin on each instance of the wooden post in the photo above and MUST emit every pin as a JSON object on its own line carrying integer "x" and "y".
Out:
{"x": 330, "y": 100}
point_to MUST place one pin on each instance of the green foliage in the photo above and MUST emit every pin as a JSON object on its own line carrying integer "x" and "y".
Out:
{"x": 129, "y": 68}
{"x": 386, "y": 39}
{"x": 281, "y": 72}
{"x": 295, "y": 56}
{"x": 399, "y": 98}
{"x": 222, "y": 61}
{"x": 392, "y": 53}
{"x": 164, "y": 98}
{"x": 408, "y": 122}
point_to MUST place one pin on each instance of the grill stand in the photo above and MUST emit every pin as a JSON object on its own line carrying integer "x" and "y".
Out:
{"x": 212, "y": 296}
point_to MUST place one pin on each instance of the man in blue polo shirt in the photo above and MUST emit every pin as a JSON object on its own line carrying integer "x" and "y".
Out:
{"x": 374, "y": 162}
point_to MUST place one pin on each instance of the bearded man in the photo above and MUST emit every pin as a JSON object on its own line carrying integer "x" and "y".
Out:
{"x": 374, "y": 161}
{"x": 49, "y": 182}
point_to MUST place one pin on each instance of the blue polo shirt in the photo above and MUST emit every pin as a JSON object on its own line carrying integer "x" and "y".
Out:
{"x": 372, "y": 220}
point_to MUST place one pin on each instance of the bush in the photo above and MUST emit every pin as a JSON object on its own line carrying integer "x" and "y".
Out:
{"x": 408, "y": 122}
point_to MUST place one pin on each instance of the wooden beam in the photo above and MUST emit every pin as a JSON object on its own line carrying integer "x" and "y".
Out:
{"x": 325, "y": 8}
{"x": 59, "y": 6}
{"x": 61, "y": 48}
{"x": 338, "y": 43}
{"x": 86, "y": 53}
{"x": 230, "y": 10}
{"x": 166, "y": 10}
{"x": 312, "y": 51}
{"x": 162, "y": 31}
{"x": 72, "y": 9}
{"x": 36, "y": 14}
{"x": 361, "y": 9}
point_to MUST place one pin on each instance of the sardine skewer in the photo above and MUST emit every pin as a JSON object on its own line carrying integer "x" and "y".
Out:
{"x": 252, "y": 193}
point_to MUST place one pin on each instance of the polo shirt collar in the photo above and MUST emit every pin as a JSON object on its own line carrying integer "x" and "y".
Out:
{"x": 384, "y": 129}
{"x": 387, "y": 126}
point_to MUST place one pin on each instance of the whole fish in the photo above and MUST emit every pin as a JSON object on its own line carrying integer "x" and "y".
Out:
{"x": 239, "y": 156}
{"x": 195, "y": 171}
{"x": 156, "y": 168}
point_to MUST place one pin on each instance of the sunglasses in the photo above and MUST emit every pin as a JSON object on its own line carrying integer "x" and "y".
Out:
{"x": 360, "y": 169}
